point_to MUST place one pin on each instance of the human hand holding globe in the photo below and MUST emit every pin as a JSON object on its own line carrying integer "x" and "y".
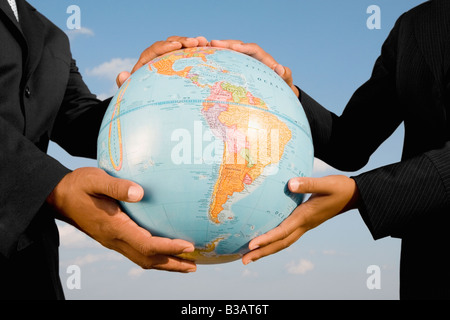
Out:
{"x": 255, "y": 51}
{"x": 87, "y": 199}
{"x": 159, "y": 48}
{"x": 331, "y": 195}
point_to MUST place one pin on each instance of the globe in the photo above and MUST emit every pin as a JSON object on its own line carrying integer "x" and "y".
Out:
{"x": 213, "y": 136}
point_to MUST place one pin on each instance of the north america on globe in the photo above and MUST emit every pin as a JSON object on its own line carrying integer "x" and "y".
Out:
{"x": 213, "y": 136}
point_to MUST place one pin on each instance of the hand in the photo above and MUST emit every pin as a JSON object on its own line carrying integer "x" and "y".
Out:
{"x": 331, "y": 196}
{"x": 86, "y": 198}
{"x": 258, "y": 53}
{"x": 159, "y": 48}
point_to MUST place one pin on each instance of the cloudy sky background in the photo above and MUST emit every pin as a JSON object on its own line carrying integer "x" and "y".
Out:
{"x": 330, "y": 50}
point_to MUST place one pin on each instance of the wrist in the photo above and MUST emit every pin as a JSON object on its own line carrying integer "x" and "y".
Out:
{"x": 353, "y": 203}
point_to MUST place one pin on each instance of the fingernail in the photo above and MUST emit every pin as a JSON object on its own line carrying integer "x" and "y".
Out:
{"x": 294, "y": 184}
{"x": 253, "y": 247}
{"x": 188, "y": 250}
{"x": 279, "y": 69}
{"x": 134, "y": 193}
{"x": 248, "y": 262}
{"x": 122, "y": 77}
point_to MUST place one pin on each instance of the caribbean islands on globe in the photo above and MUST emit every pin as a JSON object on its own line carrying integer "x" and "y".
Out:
{"x": 213, "y": 136}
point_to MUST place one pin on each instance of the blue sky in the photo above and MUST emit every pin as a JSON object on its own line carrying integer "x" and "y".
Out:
{"x": 331, "y": 52}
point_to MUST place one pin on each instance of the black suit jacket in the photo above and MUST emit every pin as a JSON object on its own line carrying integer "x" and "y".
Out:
{"x": 42, "y": 97}
{"x": 410, "y": 83}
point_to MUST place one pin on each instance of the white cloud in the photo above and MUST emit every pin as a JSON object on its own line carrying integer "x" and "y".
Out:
{"x": 110, "y": 69}
{"x": 249, "y": 273}
{"x": 93, "y": 258}
{"x": 72, "y": 34}
{"x": 135, "y": 272}
{"x": 320, "y": 166}
{"x": 71, "y": 237}
{"x": 104, "y": 96}
{"x": 299, "y": 267}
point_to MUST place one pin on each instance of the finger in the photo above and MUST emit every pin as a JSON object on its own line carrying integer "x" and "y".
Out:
{"x": 149, "y": 252}
{"x": 250, "y": 49}
{"x": 272, "y": 248}
{"x": 146, "y": 244}
{"x": 155, "y": 50}
{"x": 285, "y": 73}
{"x": 159, "y": 262}
{"x": 280, "y": 70}
{"x": 173, "y": 264}
{"x": 202, "y": 41}
{"x": 185, "y": 41}
{"x": 279, "y": 233}
{"x": 122, "y": 77}
{"x": 287, "y": 76}
{"x": 225, "y": 43}
{"x": 190, "y": 42}
{"x": 291, "y": 224}
{"x": 159, "y": 245}
{"x": 256, "y": 52}
{"x": 323, "y": 185}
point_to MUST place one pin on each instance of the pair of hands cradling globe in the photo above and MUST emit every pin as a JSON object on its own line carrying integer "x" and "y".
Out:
{"x": 86, "y": 197}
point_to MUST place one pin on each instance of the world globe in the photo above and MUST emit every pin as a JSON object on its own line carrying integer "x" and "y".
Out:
{"x": 213, "y": 136}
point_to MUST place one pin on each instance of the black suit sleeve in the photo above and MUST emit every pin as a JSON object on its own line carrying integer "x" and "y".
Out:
{"x": 395, "y": 198}
{"x": 28, "y": 175}
{"x": 404, "y": 197}
{"x": 346, "y": 142}
{"x": 78, "y": 122}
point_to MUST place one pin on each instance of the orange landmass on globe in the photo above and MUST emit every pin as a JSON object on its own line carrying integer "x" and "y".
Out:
{"x": 254, "y": 139}
{"x": 164, "y": 64}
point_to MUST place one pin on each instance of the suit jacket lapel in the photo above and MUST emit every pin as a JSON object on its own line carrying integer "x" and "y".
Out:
{"x": 34, "y": 33}
{"x": 6, "y": 8}
{"x": 8, "y": 16}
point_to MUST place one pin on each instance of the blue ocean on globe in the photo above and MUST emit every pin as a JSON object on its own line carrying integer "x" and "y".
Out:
{"x": 213, "y": 136}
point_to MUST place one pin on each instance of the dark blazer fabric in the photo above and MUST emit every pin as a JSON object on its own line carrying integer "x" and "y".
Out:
{"x": 410, "y": 84}
{"x": 42, "y": 97}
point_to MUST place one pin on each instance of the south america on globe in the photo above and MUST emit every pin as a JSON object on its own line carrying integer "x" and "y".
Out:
{"x": 213, "y": 136}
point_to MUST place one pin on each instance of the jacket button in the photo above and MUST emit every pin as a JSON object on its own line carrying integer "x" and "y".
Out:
{"x": 27, "y": 92}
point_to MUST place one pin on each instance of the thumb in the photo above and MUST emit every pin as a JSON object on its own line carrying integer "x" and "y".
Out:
{"x": 135, "y": 193}
{"x": 119, "y": 189}
{"x": 306, "y": 185}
